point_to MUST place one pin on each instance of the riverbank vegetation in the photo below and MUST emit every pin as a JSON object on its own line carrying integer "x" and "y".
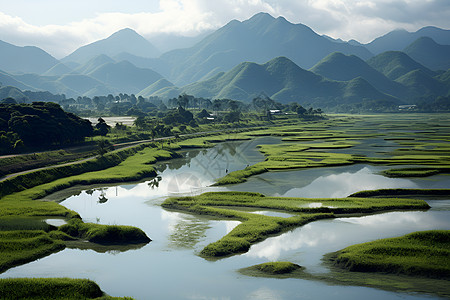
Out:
{"x": 22, "y": 246}
{"x": 256, "y": 227}
{"x": 277, "y": 269}
{"x": 104, "y": 234}
{"x": 416, "y": 172}
{"x": 18, "y": 163}
{"x": 402, "y": 192}
{"x": 51, "y": 288}
{"x": 417, "y": 254}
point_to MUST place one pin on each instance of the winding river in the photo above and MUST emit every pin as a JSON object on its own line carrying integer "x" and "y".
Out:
{"x": 168, "y": 267}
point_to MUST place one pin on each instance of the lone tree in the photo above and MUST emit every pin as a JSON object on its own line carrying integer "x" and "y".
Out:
{"x": 102, "y": 128}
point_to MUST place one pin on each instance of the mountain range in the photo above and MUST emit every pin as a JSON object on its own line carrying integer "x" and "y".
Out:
{"x": 241, "y": 60}
{"x": 280, "y": 79}
{"x": 258, "y": 39}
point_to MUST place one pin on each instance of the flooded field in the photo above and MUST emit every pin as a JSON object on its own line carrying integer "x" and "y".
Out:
{"x": 169, "y": 267}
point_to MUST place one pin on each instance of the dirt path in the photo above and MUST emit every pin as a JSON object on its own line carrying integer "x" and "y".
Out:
{"x": 116, "y": 147}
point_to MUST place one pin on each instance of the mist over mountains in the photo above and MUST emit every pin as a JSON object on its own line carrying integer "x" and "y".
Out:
{"x": 288, "y": 62}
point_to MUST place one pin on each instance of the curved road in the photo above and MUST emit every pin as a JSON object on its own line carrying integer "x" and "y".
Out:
{"x": 116, "y": 147}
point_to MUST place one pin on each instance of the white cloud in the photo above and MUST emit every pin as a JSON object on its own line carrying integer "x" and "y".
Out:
{"x": 359, "y": 19}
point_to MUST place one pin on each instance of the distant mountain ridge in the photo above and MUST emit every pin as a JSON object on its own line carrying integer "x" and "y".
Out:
{"x": 124, "y": 76}
{"x": 100, "y": 75}
{"x": 429, "y": 53}
{"x": 398, "y": 40}
{"x": 282, "y": 80}
{"x": 394, "y": 64}
{"x": 27, "y": 59}
{"x": 257, "y": 39}
{"x": 286, "y": 61}
{"x": 125, "y": 40}
{"x": 338, "y": 66}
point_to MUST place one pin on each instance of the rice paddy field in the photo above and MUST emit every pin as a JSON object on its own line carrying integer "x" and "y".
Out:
{"x": 265, "y": 185}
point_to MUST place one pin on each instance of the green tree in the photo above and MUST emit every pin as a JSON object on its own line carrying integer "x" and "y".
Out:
{"x": 103, "y": 146}
{"x": 101, "y": 128}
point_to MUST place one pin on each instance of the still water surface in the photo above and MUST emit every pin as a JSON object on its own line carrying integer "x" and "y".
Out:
{"x": 168, "y": 267}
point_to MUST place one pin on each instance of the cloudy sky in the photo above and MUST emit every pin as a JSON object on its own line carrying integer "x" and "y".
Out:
{"x": 61, "y": 26}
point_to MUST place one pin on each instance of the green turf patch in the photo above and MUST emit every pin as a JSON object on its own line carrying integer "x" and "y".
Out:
{"x": 279, "y": 269}
{"x": 104, "y": 234}
{"x": 22, "y": 246}
{"x": 49, "y": 288}
{"x": 417, "y": 254}
{"x": 415, "y": 172}
{"x": 402, "y": 192}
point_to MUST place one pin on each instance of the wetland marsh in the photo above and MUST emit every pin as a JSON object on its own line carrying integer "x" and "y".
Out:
{"x": 320, "y": 160}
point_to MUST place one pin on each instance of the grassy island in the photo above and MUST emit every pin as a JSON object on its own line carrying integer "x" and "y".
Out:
{"x": 257, "y": 227}
{"x": 417, "y": 254}
{"x": 276, "y": 269}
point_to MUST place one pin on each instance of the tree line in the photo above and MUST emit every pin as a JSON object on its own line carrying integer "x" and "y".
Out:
{"x": 43, "y": 124}
{"x": 39, "y": 124}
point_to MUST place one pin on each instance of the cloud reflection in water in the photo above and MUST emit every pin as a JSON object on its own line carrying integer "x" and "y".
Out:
{"x": 325, "y": 236}
{"x": 345, "y": 184}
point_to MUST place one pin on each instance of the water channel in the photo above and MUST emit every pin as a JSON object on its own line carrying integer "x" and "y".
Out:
{"x": 168, "y": 267}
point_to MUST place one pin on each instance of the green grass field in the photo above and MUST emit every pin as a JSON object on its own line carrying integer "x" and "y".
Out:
{"x": 417, "y": 254}
{"x": 51, "y": 288}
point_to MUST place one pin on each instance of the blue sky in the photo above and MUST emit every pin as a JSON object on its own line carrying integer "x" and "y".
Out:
{"x": 61, "y": 26}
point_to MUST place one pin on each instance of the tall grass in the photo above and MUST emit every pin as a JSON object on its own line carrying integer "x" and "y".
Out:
{"x": 105, "y": 234}
{"x": 417, "y": 254}
{"x": 29, "y": 180}
{"x": 22, "y": 246}
{"x": 23, "y": 223}
{"x": 45, "y": 288}
{"x": 402, "y": 192}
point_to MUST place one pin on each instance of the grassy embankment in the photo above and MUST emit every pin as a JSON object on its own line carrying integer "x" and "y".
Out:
{"x": 51, "y": 288}
{"x": 277, "y": 269}
{"x": 417, "y": 254}
{"x": 256, "y": 227}
{"x": 416, "y": 172}
{"x": 315, "y": 145}
{"x": 402, "y": 192}
{"x": 14, "y": 164}
{"x": 21, "y": 213}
